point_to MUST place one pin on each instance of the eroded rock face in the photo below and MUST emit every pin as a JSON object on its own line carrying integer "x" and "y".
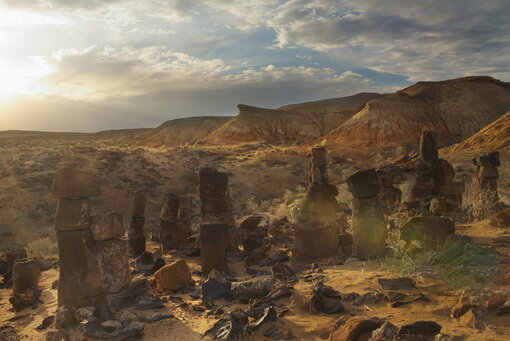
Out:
{"x": 368, "y": 225}
{"x": 112, "y": 256}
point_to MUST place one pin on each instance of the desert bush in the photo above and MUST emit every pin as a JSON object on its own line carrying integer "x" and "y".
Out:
{"x": 405, "y": 187}
{"x": 43, "y": 248}
{"x": 479, "y": 204}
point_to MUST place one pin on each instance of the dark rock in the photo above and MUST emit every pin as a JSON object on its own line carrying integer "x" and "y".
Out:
{"x": 423, "y": 328}
{"x": 386, "y": 332}
{"x": 269, "y": 315}
{"x": 396, "y": 283}
{"x": 234, "y": 327}
{"x": 251, "y": 223}
{"x": 46, "y": 322}
{"x": 214, "y": 241}
{"x": 154, "y": 317}
{"x": 215, "y": 288}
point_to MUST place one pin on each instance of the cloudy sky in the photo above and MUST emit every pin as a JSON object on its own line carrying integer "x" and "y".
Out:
{"x": 89, "y": 65}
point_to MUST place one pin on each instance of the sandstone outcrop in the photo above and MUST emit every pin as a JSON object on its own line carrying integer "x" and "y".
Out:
{"x": 453, "y": 109}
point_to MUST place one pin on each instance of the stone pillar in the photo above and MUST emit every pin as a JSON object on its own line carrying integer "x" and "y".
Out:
{"x": 93, "y": 257}
{"x": 213, "y": 247}
{"x": 434, "y": 176}
{"x": 368, "y": 225}
{"x": 136, "y": 235}
{"x": 317, "y": 229}
{"x": 485, "y": 183}
{"x": 80, "y": 282}
{"x": 215, "y": 203}
{"x": 185, "y": 213}
{"x": 171, "y": 232}
{"x": 389, "y": 195}
{"x": 25, "y": 283}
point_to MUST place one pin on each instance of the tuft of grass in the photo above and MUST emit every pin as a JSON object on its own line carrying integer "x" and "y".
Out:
{"x": 43, "y": 248}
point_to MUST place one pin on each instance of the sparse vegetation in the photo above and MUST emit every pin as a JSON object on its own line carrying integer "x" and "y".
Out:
{"x": 43, "y": 248}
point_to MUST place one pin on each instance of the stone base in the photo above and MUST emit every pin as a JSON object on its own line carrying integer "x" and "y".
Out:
{"x": 214, "y": 240}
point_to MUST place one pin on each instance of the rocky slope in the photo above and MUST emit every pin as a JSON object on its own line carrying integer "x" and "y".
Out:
{"x": 495, "y": 136}
{"x": 298, "y": 123}
{"x": 454, "y": 109}
{"x": 182, "y": 131}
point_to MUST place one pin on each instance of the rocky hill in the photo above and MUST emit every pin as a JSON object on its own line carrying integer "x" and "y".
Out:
{"x": 299, "y": 123}
{"x": 182, "y": 131}
{"x": 454, "y": 109}
{"x": 495, "y": 136}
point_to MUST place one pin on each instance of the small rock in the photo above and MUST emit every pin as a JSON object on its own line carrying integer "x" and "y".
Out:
{"x": 84, "y": 313}
{"x": 473, "y": 318}
{"x": 388, "y": 331}
{"x": 354, "y": 328}
{"x": 110, "y": 326}
{"x": 46, "y": 322}
{"x": 126, "y": 317}
{"x": 250, "y": 223}
{"x": 423, "y": 328}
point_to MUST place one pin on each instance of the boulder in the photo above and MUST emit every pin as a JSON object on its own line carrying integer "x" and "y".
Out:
{"x": 107, "y": 226}
{"x": 429, "y": 229}
{"x": 173, "y": 276}
{"x": 73, "y": 183}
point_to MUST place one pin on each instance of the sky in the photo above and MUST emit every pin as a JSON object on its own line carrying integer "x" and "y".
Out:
{"x": 91, "y": 65}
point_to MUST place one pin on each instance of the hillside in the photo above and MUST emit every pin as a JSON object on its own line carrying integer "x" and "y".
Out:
{"x": 182, "y": 131}
{"x": 298, "y": 123}
{"x": 454, "y": 109}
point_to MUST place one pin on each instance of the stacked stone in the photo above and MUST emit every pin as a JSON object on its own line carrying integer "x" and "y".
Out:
{"x": 25, "y": 283}
{"x": 434, "y": 176}
{"x": 93, "y": 257}
{"x": 389, "y": 195}
{"x": 316, "y": 231}
{"x": 217, "y": 229}
{"x": 80, "y": 282}
{"x": 485, "y": 182}
{"x": 136, "y": 235}
{"x": 111, "y": 251}
{"x": 368, "y": 225}
{"x": 172, "y": 233}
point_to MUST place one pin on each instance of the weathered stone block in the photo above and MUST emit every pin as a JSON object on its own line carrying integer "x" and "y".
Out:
{"x": 72, "y": 214}
{"x": 214, "y": 203}
{"x": 112, "y": 256}
{"x": 214, "y": 241}
{"x": 172, "y": 234}
{"x": 428, "y": 146}
{"x": 107, "y": 226}
{"x": 80, "y": 282}
{"x": 364, "y": 184}
{"x": 73, "y": 183}
{"x": 25, "y": 273}
{"x": 213, "y": 181}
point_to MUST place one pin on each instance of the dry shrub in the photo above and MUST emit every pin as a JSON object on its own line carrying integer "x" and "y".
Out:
{"x": 43, "y": 248}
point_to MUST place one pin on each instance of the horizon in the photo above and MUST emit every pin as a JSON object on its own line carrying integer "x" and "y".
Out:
{"x": 79, "y": 66}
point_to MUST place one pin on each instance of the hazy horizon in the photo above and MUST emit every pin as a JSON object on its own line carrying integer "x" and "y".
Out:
{"x": 88, "y": 66}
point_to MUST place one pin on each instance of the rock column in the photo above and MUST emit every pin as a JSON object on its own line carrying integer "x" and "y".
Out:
{"x": 317, "y": 230}
{"x": 434, "y": 176}
{"x": 217, "y": 228}
{"x": 185, "y": 213}
{"x": 135, "y": 230}
{"x": 368, "y": 225}
{"x": 485, "y": 183}
{"x": 80, "y": 282}
{"x": 171, "y": 232}
{"x": 25, "y": 283}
